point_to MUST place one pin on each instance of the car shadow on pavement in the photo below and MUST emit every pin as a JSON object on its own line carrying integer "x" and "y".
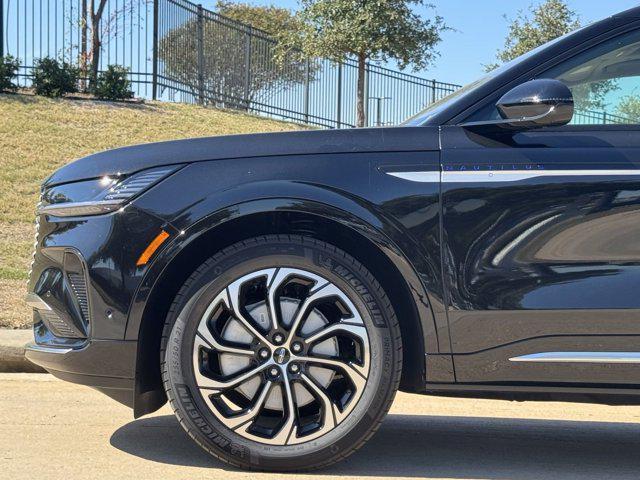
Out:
{"x": 433, "y": 446}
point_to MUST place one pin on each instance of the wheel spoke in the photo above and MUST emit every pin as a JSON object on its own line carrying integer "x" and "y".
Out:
{"x": 277, "y": 281}
{"x": 281, "y": 275}
{"x": 358, "y": 331}
{"x": 352, "y": 371}
{"x": 234, "y": 303}
{"x": 207, "y": 383}
{"x": 280, "y": 278}
{"x": 238, "y": 420}
{"x": 325, "y": 290}
{"x": 288, "y": 429}
{"x": 205, "y": 334}
{"x": 355, "y": 330}
{"x": 328, "y": 409}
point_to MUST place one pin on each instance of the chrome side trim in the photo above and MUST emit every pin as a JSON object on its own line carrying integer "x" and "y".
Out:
{"x": 422, "y": 177}
{"x": 34, "y": 301}
{"x": 580, "y": 357}
{"x": 475, "y": 176}
{"x": 485, "y": 176}
{"x": 32, "y": 347}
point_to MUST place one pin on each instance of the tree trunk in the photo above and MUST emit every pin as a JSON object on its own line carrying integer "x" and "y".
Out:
{"x": 95, "y": 52}
{"x": 96, "y": 16}
{"x": 361, "y": 120}
{"x": 83, "y": 44}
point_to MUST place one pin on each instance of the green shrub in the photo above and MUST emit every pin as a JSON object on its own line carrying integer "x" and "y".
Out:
{"x": 113, "y": 84}
{"x": 8, "y": 70}
{"x": 52, "y": 78}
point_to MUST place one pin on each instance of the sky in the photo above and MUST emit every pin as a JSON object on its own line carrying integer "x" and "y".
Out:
{"x": 480, "y": 30}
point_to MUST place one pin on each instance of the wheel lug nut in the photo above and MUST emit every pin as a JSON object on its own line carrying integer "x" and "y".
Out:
{"x": 263, "y": 353}
{"x": 294, "y": 368}
{"x": 274, "y": 372}
{"x": 296, "y": 347}
{"x": 278, "y": 338}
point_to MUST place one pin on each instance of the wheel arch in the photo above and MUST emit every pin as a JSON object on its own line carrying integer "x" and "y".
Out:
{"x": 358, "y": 237}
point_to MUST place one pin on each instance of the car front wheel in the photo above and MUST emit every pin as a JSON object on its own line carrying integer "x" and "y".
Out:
{"x": 281, "y": 353}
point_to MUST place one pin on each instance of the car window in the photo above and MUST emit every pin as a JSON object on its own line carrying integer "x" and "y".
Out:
{"x": 605, "y": 82}
{"x": 433, "y": 109}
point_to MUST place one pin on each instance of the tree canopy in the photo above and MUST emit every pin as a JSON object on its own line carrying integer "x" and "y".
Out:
{"x": 268, "y": 18}
{"x": 629, "y": 108}
{"x": 382, "y": 30}
{"x": 237, "y": 66}
{"x": 541, "y": 24}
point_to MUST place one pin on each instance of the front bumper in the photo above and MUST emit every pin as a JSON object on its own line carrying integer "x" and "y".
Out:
{"x": 107, "y": 365}
{"x": 83, "y": 281}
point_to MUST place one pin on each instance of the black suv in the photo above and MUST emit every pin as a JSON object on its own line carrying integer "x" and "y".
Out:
{"x": 278, "y": 289}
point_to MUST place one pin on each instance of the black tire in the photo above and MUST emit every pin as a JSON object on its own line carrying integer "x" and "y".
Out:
{"x": 291, "y": 251}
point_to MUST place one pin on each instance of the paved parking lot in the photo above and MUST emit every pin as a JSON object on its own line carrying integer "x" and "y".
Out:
{"x": 51, "y": 429}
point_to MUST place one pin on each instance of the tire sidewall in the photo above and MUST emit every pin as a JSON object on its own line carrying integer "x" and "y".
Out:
{"x": 250, "y": 256}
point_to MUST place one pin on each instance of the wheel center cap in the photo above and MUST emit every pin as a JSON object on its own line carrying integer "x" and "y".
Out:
{"x": 281, "y": 355}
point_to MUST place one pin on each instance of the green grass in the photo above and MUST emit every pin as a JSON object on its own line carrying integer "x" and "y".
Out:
{"x": 40, "y": 135}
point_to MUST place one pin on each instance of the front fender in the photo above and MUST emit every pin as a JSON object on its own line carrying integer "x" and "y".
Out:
{"x": 354, "y": 213}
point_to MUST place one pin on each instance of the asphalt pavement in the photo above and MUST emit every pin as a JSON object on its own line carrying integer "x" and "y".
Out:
{"x": 50, "y": 429}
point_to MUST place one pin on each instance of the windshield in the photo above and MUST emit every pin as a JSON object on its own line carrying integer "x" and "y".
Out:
{"x": 435, "y": 108}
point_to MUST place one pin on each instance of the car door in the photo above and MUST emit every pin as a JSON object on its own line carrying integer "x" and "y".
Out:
{"x": 541, "y": 234}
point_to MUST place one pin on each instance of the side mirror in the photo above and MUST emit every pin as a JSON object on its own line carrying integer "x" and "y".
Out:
{"x": 534, "y": 104}
{"x": 538, "y": 103}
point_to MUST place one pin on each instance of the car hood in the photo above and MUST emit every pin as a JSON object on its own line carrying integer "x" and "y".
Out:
{"x": 127, "y": 160}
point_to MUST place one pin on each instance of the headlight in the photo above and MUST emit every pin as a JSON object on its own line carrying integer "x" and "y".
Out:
{"x": 95, "y": 197}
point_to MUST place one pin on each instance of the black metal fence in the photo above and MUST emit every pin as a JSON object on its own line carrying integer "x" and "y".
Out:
{"x": 591, "y": 117}
{"x": 178, "y": 51}
{"x": 35, "y": 29}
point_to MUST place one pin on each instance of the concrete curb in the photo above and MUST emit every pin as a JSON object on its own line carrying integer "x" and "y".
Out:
{"x": 12, "y": 359}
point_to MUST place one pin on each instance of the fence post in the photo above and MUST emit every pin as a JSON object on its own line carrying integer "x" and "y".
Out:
{"x": 433, "y": 91}
{"x": 366, "y": 95}
{"x": 200, "y": 43}
{"x": 339, "y": 97}
{"x": 247, "y": 68}
{"x": 604, "y": 118}
{"x": 1, "y": 28}
{"x": 306, "y": 91}
{"x": 83, "y": 41}
{"x": 154, "y": 75}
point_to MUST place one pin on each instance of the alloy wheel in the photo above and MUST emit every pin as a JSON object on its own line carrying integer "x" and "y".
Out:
{"x": 281, "y": 356}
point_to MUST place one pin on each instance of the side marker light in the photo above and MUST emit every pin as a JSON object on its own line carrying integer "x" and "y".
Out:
{"x": 151, "y": 248}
